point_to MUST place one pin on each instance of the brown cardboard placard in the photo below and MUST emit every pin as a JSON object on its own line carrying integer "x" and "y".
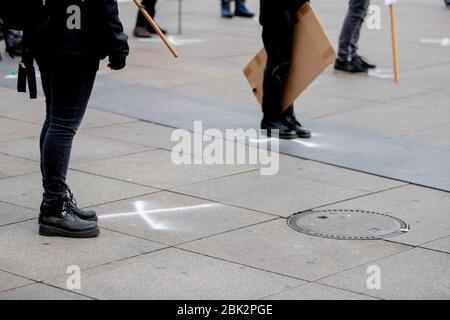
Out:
{"x": 313, "y": 52}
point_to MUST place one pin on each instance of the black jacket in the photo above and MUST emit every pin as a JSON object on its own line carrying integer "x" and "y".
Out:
{"x": 270, "y": 9}
{"x": 75, "y": 34}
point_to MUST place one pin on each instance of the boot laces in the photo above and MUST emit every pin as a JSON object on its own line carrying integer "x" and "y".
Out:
{"x": 293, "y": 120}
{"x": 71, "y": 197}
{"x": 66, "y": 209}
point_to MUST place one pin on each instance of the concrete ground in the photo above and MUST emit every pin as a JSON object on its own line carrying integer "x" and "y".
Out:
{"x": 220, "y": 231}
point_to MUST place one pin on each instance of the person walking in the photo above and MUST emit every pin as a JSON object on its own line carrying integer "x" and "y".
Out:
{"x": 277, "y": 19}
{"x": 68, "y": 38}
{"x": 348, "y": 59}
{"x": 239, "y": 11}
{"x": 143, "y": 29}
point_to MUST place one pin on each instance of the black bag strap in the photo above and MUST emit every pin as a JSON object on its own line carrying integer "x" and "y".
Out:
{"x": 27, "y": 72}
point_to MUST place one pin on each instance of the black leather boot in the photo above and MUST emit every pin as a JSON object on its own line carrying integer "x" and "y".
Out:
{"x": 60, "y": 220}
{"x": 276, "y": 128}
{"x": 89, "y": 215}
{"x": 292, "y": 123}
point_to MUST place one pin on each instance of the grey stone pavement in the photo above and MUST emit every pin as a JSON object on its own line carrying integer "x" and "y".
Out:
{"x": 219, "y": 231}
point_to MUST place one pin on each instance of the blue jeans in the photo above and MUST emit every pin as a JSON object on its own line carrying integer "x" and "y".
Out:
{"x": 349, "y": 38}
{"x": 67, "y": 94}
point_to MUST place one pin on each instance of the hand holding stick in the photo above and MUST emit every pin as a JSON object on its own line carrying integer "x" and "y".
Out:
{"x": 156, "y": 28}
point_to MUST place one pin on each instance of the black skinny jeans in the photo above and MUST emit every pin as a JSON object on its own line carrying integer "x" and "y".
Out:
{"x": 67, "y": 95}
{"x": 278, "y": 24}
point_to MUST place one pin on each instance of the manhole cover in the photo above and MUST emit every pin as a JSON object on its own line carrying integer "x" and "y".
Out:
{"x": 347, "y": 224}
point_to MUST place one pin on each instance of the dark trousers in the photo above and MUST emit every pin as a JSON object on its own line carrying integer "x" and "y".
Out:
{"x": 238, "y": 2}
{"x": 277, "y": 22}
{"x": 150, "y": 7}
{"x": 351, "y": 30}
{"x": 67, "y": 94}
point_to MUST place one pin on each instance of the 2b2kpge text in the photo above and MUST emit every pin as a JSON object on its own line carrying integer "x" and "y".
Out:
{"x": 224, "y": 310}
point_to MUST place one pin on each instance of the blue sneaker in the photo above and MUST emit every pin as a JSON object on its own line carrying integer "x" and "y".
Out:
{"x": 242, "y": 11}
{"x": 226, "y": 9}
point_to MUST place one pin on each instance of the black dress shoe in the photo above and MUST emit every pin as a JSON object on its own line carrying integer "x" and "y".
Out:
{"x": 363, "y": 62}
{"x": 277, "y": 129}
{"x": 352, "y": 66}
{"x": 142, "y": 33}
{"x": 291, "y": 122}
{"x": 61, "y": 221}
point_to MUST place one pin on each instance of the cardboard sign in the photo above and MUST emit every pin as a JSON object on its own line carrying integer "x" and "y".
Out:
{"x": 313, "y": 52}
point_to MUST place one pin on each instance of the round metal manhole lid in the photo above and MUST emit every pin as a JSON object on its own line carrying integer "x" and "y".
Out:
{"x": 347, "y": 224}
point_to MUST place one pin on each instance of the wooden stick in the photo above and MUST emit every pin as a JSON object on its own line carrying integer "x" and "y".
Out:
{"x": 156, "y": 27}
{"x": 394, "y": 43}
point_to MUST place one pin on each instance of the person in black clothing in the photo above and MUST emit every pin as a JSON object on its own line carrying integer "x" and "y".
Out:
{"x": 277, "y": 19}
{"x": 68, "y": 38}
{"x": 143, "y": 29}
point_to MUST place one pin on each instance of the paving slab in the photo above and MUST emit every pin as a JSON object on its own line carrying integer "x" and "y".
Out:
{"x": 96, "y": 118}
{"x": 22, "y": 247}
{"x": 156, "y": 169}
{"x": 425, "y": 210}
{"x": 390, "y": 119}
{"x": 89, "y": 190}
{"x": 158, "y": 136}
{"x": 256, "y": 192}
{"x": 143, "y": 133}
{"x": 372, "y": 152}
{"x": 273, "y": 246}
{"x": 86, "y": 148}
{"x": 20, "y": 107}
{"x": 313, "y": 106}
{"x": 439, "y": 245}
{"x": 12, "y": 214}
{"x": 173, "y": 218}
{"x": 233, "y": 89}
{"x": 40, "y": 291}
{"x": 371, "y": 89}
{"x": 9, "y": 132}
{"x": 13, "y": 166}
{"x": 413, "y": 274}
{"x": 180, "y": 110}
{"x": 434, "y": 100}
{"x": 434, "y": 75}
{"x": 382, "y": 55}
{"x": 174, "y": 274}
{"x": 438, "y": 135}
{"x": 159, "y": 79}
{"x": 319, "y": 172}
{"x": 316, "y": 291}
{"x": 9, "y": 281}
{"x": 402, "y": 159}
